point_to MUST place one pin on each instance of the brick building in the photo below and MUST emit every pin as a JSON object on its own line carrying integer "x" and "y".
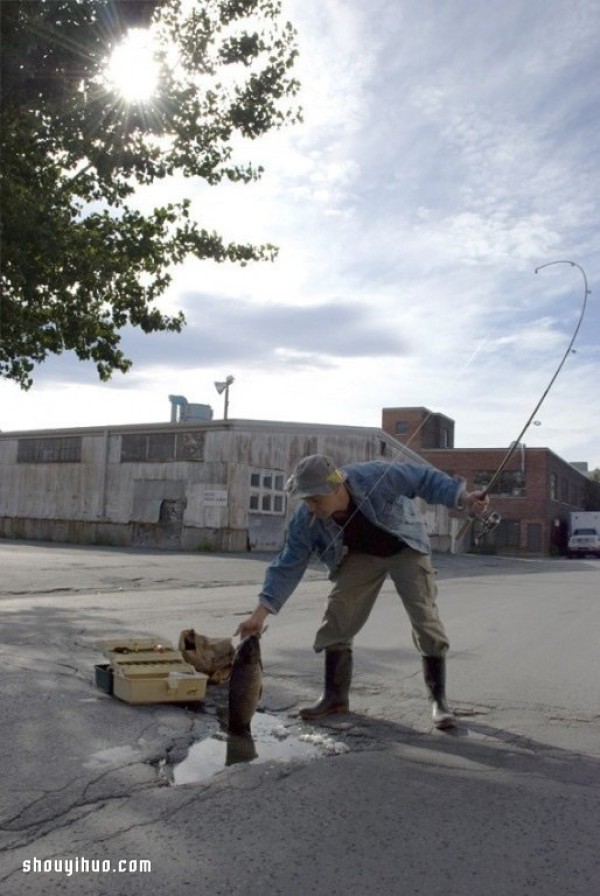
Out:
{"x": 418, "y": 427}
{"x": 534, "y": 495}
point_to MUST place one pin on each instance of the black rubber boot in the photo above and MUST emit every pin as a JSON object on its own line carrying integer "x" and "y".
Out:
{"x": 434, "y": 670}
{"x": 338, "y": 675}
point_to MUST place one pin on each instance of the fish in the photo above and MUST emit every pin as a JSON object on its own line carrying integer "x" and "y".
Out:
{"x": 245, "y": 686}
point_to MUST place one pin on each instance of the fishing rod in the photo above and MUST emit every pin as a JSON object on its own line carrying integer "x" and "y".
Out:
{"x": 491, "y": 518}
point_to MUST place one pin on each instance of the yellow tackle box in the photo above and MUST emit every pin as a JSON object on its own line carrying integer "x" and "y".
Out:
{"x": 150, "y": 670}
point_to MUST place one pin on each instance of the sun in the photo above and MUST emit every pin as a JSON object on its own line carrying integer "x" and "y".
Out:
{"x": 133, "y": 69}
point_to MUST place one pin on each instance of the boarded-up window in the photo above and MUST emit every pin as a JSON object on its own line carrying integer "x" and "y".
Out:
{"x": 162, "y": 447}
{"x": 534, "y": 537}
{"x": 61, "y": 450}
{"x": 189, "y": 445}
{"x": 508, "y": 534}
{"x": 564, "y": 490}
{"x": 133, "y": 448}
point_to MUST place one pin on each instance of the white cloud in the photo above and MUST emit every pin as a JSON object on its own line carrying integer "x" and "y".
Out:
{"x": 447, "y": 150}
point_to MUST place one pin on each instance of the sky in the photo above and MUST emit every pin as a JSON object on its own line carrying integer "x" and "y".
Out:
{"x": 448, "y": 149}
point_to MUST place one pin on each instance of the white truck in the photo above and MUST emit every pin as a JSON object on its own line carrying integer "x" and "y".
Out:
{"x": 584, "y": 533}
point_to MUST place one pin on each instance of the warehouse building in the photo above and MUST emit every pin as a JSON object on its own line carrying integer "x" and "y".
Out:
{"x": 190, "y": 484}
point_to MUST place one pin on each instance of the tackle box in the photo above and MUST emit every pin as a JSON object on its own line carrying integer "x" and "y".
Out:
{"x": 148, "y": 670}
{"x": 104, "y": 677}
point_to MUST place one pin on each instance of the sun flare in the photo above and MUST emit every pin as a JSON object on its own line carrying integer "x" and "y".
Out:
{"x": 133, "y": 69}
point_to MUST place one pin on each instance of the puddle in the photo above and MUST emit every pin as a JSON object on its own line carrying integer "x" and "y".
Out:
{"x": 271, "y": 740}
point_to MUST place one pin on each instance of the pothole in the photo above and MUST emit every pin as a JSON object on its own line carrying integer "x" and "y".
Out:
{"x": 272, "y": 740}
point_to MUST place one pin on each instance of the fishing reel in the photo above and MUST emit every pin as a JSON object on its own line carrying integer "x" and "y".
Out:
{"x": 487, "y": 524}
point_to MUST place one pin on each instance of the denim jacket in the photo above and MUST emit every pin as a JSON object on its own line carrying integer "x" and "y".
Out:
{"x": 383, "y": 492}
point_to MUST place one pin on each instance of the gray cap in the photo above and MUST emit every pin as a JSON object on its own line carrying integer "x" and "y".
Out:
{"x": 315, "y": 475}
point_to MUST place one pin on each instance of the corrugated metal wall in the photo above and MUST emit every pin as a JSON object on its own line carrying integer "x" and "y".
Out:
{"x": 168, "y": 485}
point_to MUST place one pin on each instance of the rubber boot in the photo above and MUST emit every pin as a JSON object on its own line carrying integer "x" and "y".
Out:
{"x": 338, "y": 675}
{"x": 434, "y": 670}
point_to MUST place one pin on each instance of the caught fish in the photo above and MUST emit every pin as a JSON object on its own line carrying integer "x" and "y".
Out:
{"x": 245, "y": 685}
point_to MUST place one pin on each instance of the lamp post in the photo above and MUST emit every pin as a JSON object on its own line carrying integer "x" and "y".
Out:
{"x": 224, "y": 387}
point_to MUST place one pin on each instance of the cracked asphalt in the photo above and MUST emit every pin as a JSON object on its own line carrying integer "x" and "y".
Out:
{"x": 506, "y": 804}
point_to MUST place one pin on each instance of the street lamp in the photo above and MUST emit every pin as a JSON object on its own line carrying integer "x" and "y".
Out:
{"x": 224, "y": 387}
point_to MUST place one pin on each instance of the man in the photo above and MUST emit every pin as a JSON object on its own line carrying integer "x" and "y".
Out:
{"x": 361, "y": 521}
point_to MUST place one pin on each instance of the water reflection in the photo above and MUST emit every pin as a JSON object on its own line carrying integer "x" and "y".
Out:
{"x": 240, "y": 748}
{"x": 270, "y": 740}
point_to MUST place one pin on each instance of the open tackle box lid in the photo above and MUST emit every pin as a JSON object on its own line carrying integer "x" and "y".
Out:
{"x": 150, "y": 670}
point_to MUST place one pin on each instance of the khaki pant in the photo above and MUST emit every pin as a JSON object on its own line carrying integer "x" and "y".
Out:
{"x": 356, "y": 585}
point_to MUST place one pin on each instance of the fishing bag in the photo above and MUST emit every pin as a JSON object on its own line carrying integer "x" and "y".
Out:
{"x": 213, "y": 656}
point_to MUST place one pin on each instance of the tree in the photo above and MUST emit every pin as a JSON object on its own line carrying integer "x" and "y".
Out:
{"x": 595, "y": 475}
{"x": 78, "y": 261}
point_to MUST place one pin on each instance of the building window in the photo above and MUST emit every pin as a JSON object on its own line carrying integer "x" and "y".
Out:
{"x": 65, "y": 450}
{"x": 553, "y": 487}
{"x": 564, "y": 490}
{"x": 267, "y": 492}
{"x": 162, "y": 447}
{"x": 400, "y": 427}
{"x": 510, "y": 483}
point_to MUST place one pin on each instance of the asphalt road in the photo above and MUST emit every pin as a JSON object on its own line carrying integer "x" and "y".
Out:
{"x": 506, "y": 804}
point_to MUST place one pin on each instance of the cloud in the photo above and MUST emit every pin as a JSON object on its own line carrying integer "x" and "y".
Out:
{"x": 447, "y": 150}
{"x": 232, "y": 332}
